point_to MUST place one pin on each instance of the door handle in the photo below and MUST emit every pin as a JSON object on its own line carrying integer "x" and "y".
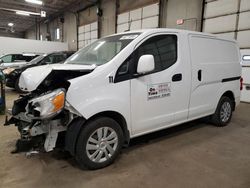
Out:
{"x": 177, "y": 77}
{"x": 199, "y": 75}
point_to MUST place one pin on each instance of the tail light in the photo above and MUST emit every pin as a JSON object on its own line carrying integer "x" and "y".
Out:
{"x": 241, "y": 83}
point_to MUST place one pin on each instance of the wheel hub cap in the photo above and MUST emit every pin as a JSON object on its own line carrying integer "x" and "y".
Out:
{"x": 102, "y": 144}
{"x": 225, "y": 112}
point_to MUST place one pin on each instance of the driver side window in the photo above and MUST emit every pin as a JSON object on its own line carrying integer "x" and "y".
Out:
{"x": 162, "y": 47}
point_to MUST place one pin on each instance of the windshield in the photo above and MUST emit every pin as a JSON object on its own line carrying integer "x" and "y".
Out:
{"x": 37, "y": 59}
{"x": 102, "y": 51}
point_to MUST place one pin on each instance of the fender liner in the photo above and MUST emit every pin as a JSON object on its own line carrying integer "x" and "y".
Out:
{"x": 72, "y": 134}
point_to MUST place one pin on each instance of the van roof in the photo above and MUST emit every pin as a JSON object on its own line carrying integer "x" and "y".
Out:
{"x": 174, "y": 31}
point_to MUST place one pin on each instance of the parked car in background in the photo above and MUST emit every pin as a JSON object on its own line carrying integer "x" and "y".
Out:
{"x": 10, "y": 60}
{"x": 12, "y": 74}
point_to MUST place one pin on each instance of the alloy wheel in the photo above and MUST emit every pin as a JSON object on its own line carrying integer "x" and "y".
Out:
{"x": 225, "y": 112}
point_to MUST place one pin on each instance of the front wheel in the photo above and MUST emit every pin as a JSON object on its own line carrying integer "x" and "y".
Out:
{"x": 223, "y": 113}
{"x": 99, "y": 143}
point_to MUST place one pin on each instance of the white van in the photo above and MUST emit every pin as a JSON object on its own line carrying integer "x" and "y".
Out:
{"x": 126, "y": 85}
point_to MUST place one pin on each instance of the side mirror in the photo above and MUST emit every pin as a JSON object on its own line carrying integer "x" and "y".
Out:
{"x": 146, "y": 64}
{"x": 1, "y": 61}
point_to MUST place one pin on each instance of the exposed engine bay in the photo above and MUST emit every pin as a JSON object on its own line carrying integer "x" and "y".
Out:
{"x": 43, "y": 114}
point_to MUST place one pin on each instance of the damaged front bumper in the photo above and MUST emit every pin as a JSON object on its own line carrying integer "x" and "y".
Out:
{"x": 40, "y": 120}
{"x": 37, "y": 134}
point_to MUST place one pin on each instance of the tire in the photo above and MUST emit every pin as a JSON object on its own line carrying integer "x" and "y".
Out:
{"x": 223, "y": 113}
{"x": 99, "y": 143}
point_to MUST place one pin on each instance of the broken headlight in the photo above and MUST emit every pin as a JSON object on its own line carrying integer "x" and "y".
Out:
{"x": 48, "y": 105}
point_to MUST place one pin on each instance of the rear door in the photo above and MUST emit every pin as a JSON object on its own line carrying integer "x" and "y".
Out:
{"x": 160, "y": 98}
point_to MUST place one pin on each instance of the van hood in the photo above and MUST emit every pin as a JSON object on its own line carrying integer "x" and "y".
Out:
{"x": 31, "y": 78}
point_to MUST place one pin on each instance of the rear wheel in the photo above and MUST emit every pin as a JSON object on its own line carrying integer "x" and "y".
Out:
{"x": 99, "y": 143}
{"x": 223, "y": 113}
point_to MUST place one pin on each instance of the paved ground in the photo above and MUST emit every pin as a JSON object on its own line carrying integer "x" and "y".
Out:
{"x": 192, "y": 155}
